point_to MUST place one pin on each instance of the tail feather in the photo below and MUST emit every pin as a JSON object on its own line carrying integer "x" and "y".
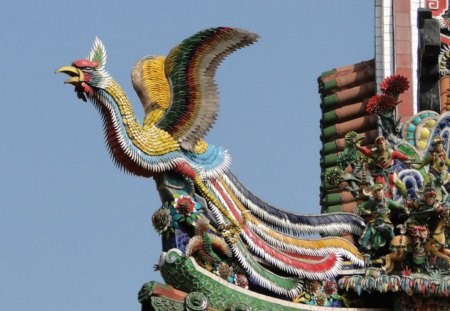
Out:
{"x": 297, "y": 224}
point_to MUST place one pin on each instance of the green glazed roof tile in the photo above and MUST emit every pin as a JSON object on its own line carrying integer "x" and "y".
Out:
{"x": 329, "y": 147}
{"x": 332, "y": 199}
{"x": 330, "y": 101}
{"x": 334, "y": 209}
{"x": 329, "y": 117}
{"x": 329, "y": 85}
{"x": 328, "y": 73}
{"x": 330, "y": 159}
{"x": 329, "y": 132}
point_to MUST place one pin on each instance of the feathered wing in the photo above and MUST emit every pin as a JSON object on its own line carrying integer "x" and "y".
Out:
{"x": 191, "y": 68}
{"x": 151, "y": 85}
{"x": 190, "y": 103}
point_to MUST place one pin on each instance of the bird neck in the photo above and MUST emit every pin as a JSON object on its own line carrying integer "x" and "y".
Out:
{"x": 135, "y": 148}
{"x": 118, "y": 98}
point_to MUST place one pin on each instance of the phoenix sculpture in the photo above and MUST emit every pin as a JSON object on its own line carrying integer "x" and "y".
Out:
{"x": 197, "y": 188}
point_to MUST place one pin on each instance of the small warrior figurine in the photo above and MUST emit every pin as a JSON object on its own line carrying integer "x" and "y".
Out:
{"x": 422, "y": 212}
{"x": 383, "y": 163}
{"x": 438, "y": 166}
{"x": 379, "y": 230}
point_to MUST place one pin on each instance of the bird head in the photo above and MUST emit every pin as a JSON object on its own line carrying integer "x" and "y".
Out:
{"x": 88, "y": 74}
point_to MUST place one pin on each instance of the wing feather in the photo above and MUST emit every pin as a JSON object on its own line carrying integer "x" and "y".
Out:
{"x": 190, "y": 67}
{"x": 151, "y": 85}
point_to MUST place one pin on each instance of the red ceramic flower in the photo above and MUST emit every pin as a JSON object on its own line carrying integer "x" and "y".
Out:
{"x": 406, "y": 271}
{"x": 394, "y": 85}
{"x": 381, "y": 103}
{"x": 330, "y": 287}
{"x": 184, "y": 205}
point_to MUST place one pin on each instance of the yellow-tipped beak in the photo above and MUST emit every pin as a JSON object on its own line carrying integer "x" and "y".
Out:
{"x": 76, "y": 75}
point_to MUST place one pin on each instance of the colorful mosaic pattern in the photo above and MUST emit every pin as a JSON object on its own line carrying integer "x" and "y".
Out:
{"x": 231, "y": 250}
{"x": 251, "y": 242}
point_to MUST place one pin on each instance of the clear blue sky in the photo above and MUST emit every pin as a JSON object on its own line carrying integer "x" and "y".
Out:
{"x": 75, "y": 232}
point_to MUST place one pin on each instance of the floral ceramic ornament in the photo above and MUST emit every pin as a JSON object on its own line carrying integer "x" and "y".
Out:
{"x": 381, "y": 103}
{"x": 184, "y": 210}
{"x": 391, "y": 88}
{"x": 162, "y": 221}
{"x": 394, "y": 85}
{"x": 241, "y": 280}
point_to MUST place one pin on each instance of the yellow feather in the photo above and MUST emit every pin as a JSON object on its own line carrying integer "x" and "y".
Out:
{"x": 157, "y": 87}
{"x": 169, "y": 63}
{"x": 150, "y": 139}
{"x": 200, "y": 146}
{"x": 155, "y": 82}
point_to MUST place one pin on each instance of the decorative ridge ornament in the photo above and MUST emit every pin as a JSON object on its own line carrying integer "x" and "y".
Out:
{"x": 248, "y": 241}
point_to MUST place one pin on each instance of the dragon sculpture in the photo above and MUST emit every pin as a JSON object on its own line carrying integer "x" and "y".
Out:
{"x": 179, "y": 96}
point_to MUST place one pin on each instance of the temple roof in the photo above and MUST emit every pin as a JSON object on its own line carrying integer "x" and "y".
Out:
{"x": 344, "y": 93}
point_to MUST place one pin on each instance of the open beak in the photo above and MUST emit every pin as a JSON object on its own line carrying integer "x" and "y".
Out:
{"x": 76, "y": 75}
{"x": 76, "y": 79}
